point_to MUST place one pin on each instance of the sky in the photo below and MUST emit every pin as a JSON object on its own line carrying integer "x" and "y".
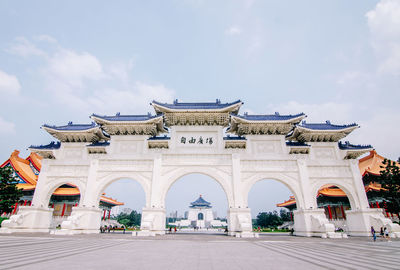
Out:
{"x": 335, "y": 60}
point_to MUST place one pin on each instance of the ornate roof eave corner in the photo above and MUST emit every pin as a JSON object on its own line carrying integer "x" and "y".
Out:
{"x": 298, "y": 148}
{"x": 239, "y": 125}
{"x": 351, "y": 151}
{"x": 232, "y": 107}
{"x": 46, "y": 151}
{"x": 97, "y": 148}
{"x": 111, "y": 127}
{"x": 304, "y": 134}
{"x": 90, "y": 134}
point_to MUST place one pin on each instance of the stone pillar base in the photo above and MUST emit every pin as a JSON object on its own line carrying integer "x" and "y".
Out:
{"x": 28, "y": 219}
{"x": 153, "y": 222}
{"x": 313, "y": 222}
{"x": 83, "y": 220}
{"x": 239, "y": 222}
{"x": 359, "y": 222}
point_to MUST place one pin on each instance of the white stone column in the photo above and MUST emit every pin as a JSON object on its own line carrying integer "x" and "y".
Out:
{"x": 153, "y": 216}
{"x": 309, "y": 220}
{"x": 34, "y": 218}
{"x": 360, "y": 220}
{"x": 86, "y": 218}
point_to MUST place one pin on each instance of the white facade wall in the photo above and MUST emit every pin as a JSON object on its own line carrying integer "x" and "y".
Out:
{"x": 236, "y": 170}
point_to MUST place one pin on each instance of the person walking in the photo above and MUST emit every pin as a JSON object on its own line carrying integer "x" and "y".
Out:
{"x": 381, "y": 233}
{"x": 386, "y": 231}
{"x": 373, "y": 233}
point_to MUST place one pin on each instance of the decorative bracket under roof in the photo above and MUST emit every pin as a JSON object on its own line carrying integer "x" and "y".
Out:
{"x": 203, "y": 113}
{"x": 298, "y": 148}
{"x": 158, "y": 142}
{"x": 235, "y": 142}
{"x": 352, "y": 151}
{"x": 131, "y": 124}
{"x": 320, "y": 132}
{"x": 76, "y": 132}
{"x": 97, "y": 148}
{"x": 275, "y": 124}
{"x": 45, "y": 151}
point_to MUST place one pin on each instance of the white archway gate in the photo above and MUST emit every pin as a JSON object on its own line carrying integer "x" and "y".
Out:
{"x": 302, "y": 156}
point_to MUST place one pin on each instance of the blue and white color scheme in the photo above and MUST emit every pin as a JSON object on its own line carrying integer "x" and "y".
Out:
{"x": 190, "y": 138}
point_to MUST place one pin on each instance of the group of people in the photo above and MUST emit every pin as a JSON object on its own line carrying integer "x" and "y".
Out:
{"x": 109, "y": 228}
{"x": 384, "y": 233}
{"x": 172, "y": 229}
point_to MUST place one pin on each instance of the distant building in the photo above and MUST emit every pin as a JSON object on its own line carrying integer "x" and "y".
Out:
{"x": 200, "y": 215}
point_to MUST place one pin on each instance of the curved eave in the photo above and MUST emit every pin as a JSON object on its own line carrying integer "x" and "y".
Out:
{"x": 294, "y": 120}
{"x": 285, "y": 204}
{"x": 346, "y": 130}
{"x": 160, "y": 108}
{"x": 110, "y": 201}
{"x": 58, "y": 134}
{"x": 158, "y": 121}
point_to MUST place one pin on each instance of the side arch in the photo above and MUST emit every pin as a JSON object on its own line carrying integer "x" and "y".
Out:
{"x": 222, "y": 178}
{"x": 53, "y": 185}
{"x": 291, "y": 183}
{"x": 104, "y": 182}
{"x": 347, "y": 189}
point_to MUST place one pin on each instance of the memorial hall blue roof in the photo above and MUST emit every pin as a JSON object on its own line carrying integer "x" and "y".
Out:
{"x": 200, "y": 202}
{"x": 119, "y": 117}
{"x": 348, "y": 146}
{"x": 72, "y": 127}
{"x": 50, "y": 146}
{"x": 269, "y": 117}
{"x": 197, "y": 105}
{"x": 325, "y": 126}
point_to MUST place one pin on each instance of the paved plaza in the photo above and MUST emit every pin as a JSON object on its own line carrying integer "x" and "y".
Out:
{"x": 194, "y": 251}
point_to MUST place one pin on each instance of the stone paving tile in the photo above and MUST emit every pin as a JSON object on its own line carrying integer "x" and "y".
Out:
{"x": 194, "y": 251}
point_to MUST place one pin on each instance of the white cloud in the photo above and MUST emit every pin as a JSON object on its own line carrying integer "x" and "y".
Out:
{"x": 9, "y": 84}
{"x": 6, "y": 127}
{"x": 73, "y": 68}
{"x": 80, "y": 82}
{"x": 135, "y": 100}
{"x": 23, "y": 47}
{"x": 384, "y": 25}
{"x": 233, "y": 30}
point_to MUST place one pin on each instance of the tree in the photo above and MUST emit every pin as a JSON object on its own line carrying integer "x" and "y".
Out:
{"x": 390, "y": 182}
{"x": 269, "y": 219}
{"x": 9, "y": 193}
{"x": 129, "y": 220}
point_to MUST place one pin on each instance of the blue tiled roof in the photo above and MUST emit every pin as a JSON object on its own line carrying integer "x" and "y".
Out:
{"x": 269, "y": 117}
{"x": 200, "y": 202}
{"x": 234, "y": 138}
{"x": 50, "y": 146}
{"x": 348, "y": 146}
{"x": 71, "y": 126}
{"x": 159, "y": 138}
{"x": 291, "y": 143}
{"x": 119, "y": 117}
{"x": 325, "y": 126}
{"x": 197, "y": 105}
{"x": 99, "y": 144}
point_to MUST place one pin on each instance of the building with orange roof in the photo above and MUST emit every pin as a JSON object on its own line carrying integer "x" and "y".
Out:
{"x": 27, "y": 170}
{"x": 335, "y": 200}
